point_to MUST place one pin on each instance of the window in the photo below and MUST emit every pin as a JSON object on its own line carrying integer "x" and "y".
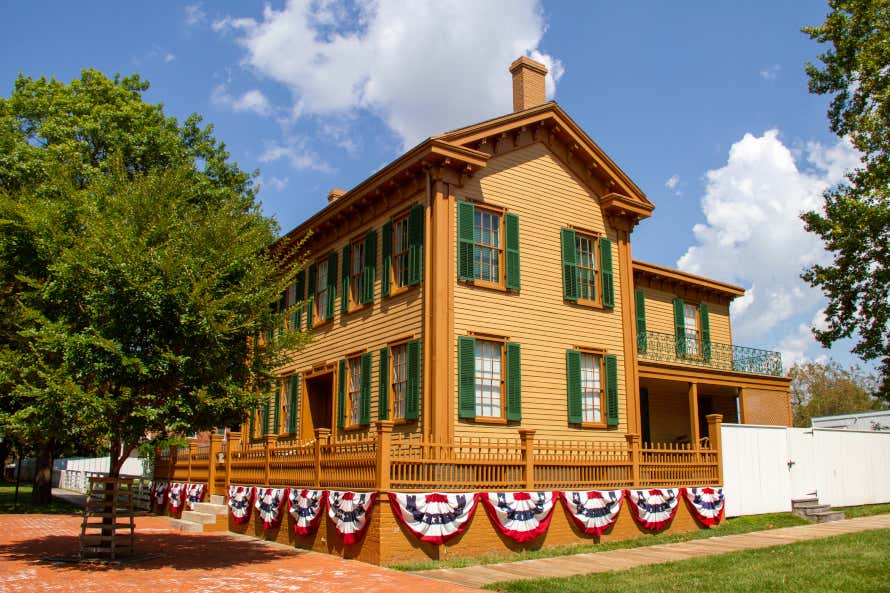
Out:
{"x": 690, "y": 323}
{"x": 586, "y": 268}
{"x": 487, "y": 250}
{"x": 321, "y": 292}
{"x": 399, "y": 381}
{"x": 592, "y": 388}
{"x": 354, "y": 392}
{"x": 357, "y": 274}
{"x": 489, "y": 379}
{"x": 400, "y": 247}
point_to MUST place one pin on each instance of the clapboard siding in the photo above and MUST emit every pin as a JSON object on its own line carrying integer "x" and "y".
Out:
{"x": 546, "y": 196}
{"x": 660, "y": 315}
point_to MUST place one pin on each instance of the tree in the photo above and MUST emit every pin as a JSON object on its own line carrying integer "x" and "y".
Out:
{"x": 827, "y": 389}
{"x": 136, "y": 271}
{"x": 855, "y": 224}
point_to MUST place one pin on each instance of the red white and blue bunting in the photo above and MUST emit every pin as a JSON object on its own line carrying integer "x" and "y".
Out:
{"x": 350, "y": 512}
{"x": 434, "y": 517}
{"x": 240, "y": 498}
{"x": 655, "y": 508}
{"x": 193, "y": 493}
{"x": 306, "y": 507}
{"x": 706, "y": 503}
{"x": 593, "y": 511}
{"x": 270, "y": 504}
{"x": 521, "y": 516}
{"x": 175, "y": 494}
{"x": 159, "y": 494}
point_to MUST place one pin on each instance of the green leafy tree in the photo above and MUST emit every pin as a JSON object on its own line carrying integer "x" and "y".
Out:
{"x": 136, "y": 272}
{"x": 855, "y": 224}
{"x": 826, "y": 389}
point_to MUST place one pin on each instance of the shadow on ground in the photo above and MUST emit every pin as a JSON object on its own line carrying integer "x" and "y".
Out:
{"x": 153, "y": 550}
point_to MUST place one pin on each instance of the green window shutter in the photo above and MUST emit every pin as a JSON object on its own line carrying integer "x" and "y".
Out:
{"x": 511, "y": 244}
{"x": 640, "y": 302}
{"x": 573, "y": 384}
{"x": 276, "y": 412}
{"x": 466, "y": 381}
{"x": 365, "y": 404}
{"x": 466, "y": 213}
{"x": 705, "y": 331}
{"x": 294, "y": 403}
{"x": 341, "y": 396}
{"x": 252, "y": 429}
{"x": 267, "y": 419}
{"x": 386, "y": 259}
{"x": 383, "y": 385}
{"x": 569, "y": 265}
{"x": 332, "y": 284}
{"x": 309, "y": 308}
{"x": 299, "y": 297}
{"x": 608, "y": 284}
{"x": 344, "y": 279}
{"x": 415, "y": 380}
{"x": 611, "y": 390}
{"x": 679, "y": 328}
{"x": 514, "y": 382}
{"x": 415, "y": 245}
{"x": 369, "y": 269}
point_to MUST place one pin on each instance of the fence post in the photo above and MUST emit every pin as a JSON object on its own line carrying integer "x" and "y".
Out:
{"x": 270, "y": 441}
{"x": 527, "y": 438}
{"x": 714, "y": 436}
{"x": 322, "y": 436}
{"x": 212, "y": 455}
{"x": 633, "y": 452}
{"x": 192, "y": 447}
{"x": 232, "y": 445}
{"x": 384, "y": 443}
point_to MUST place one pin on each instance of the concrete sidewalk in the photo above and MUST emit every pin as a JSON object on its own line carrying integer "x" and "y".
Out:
{"x": 566, "y": 566}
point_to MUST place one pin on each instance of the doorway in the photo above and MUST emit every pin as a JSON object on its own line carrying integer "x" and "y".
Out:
{"x": 318, "y": 405}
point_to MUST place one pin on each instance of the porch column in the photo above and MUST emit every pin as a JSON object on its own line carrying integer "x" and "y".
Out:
{"x": 693, "y": 413}
{"x": 623, "y": 227}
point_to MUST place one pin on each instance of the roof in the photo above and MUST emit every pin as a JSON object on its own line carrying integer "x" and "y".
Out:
{"x": 670, "y": 275}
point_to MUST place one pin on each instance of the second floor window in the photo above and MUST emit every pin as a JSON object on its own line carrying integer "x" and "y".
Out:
{"x": 321, "y": 292}
{"x": 400, "y": 252}
{"x": 690, "y": 322}
{"x": 587, "y": 275}
{"x": 357, "y": 273}
{"x": 586, "y": 268}
{"x": 487, "y": 251}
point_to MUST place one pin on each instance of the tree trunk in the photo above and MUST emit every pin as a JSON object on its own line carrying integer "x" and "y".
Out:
{"x": 42, "y": 490}
{"x": 5, "y": 450}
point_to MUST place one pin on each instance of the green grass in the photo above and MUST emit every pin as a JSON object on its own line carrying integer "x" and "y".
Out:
{"x": 855, "y": 562}
{"x": 24, "y": 506}
{"x": 728, "y": 527}
{"x": 866, "y": 510}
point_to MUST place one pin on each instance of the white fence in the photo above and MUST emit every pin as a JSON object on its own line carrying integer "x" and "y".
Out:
{"x": 764, "y": 467}
{"x": 74, "y": 474}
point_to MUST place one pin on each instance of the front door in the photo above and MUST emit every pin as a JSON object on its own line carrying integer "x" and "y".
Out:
{"x": 318, "y": 405}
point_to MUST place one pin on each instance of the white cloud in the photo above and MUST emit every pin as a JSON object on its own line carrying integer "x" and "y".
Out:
{"x": 277, "y": 183}
{"x": 672, "y": 183}
{"x": 770, "y": 72}
{"x": 423, "y": 67}
{"x": 194, "y": 14}
{"x": 754, "y": 236}
{"x": 297, "y": 155}
{"x": 252, "y": 101}
{"x": 168, "y": 57}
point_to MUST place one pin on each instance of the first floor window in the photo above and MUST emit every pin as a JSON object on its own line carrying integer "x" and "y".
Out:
{"x": 591, "y": 388}
{"x": 489, "y": 378}
{"x": 399, "y": 381}
{"x": 355, "y": 391}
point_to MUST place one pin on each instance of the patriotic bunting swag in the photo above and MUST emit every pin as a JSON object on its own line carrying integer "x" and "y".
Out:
{"x": 193, "y": 493}
{"x": 434, "y": 517}
{"x": 270, "y": 505}
{"x": 350, "y": 512}
{"x": 593, "y": 511}
{"x": 521, "y": 516}
{"x": 175, "y": 493}
{"x": 654, "y": 509}
{"x": 240, "y": 498}
{"x": 706, "y": 503}
{"x": 305, "y": 508}
{"x": 159, "y": 494}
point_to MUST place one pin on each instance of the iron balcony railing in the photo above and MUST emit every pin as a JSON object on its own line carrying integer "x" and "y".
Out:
{"x": 692, "y": 351}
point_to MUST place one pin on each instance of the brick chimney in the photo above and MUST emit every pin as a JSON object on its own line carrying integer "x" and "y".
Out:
{"x": 335, "y": 194}
{"x": 528, "y": 83}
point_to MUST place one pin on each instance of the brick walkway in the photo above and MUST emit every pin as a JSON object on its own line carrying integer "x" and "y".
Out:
{"x": 565, "y": 566}
{"x": 31, "y": 545}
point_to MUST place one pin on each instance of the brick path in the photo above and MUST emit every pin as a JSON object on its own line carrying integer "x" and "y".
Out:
{"x": 199, "y": 562}
{"x": 565, "y": 566}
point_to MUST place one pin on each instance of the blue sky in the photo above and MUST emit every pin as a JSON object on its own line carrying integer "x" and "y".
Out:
{"x": 704, "y": 105}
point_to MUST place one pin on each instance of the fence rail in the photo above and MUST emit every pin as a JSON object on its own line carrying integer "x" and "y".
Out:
{"x": 383, "y": 461}
{"x": 693, "y": 351}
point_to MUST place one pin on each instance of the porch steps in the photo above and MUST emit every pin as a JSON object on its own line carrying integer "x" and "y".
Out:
{"x": 207, "y": 516}
{"x": 811, "y": 510}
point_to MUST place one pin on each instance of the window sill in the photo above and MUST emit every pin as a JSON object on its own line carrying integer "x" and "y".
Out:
{"x": 589, "y": 304}
{"x": 322, "y": 322}
{"x": 489, "y": 420}
{"x": 399, "y": 421}
{"x": 357, "y": 308}
{"x": 355, "y": 427}
{"x": 488, "y": 285}
{"x": 394, "y": 292}
{"x": 593, "y": 425}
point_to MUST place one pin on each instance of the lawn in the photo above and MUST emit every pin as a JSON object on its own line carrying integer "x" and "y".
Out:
{"x": 866, "y": 510}
{"x": 854, "y": 562}
{"x": 727, "y": 527}
{"x": 24, "y": 506}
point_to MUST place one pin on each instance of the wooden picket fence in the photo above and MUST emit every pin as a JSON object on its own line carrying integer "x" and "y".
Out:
{"x": 383, "y": 461}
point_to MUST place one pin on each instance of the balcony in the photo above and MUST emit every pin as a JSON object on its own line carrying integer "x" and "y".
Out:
{"x": 690, "y": 350}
